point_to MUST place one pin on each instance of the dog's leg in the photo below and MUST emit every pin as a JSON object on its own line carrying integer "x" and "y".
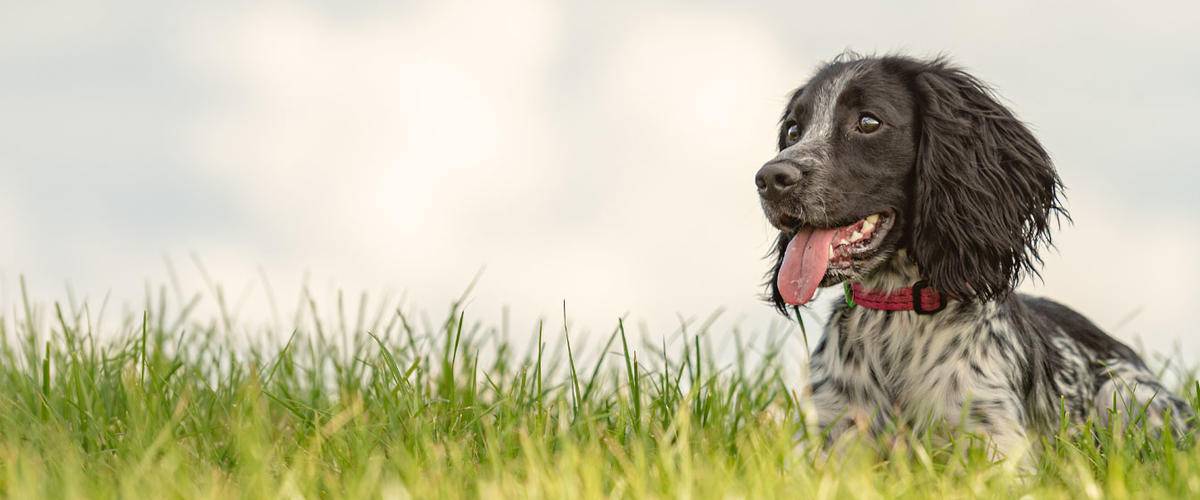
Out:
{"x": 832, "y": 401}
{"x": 1132, "y": 394}
{"x": 832, "y": 409}
{"x": 1008, "y": 441}
{"x": 836, "y": 419}
{"x": 989, "y": 403}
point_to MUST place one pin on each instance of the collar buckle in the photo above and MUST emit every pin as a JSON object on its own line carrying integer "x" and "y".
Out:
{"x": 917, "y": 307}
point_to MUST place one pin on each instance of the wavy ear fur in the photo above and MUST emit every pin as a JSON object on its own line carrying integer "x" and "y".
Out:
{"x": 984, "y": 189}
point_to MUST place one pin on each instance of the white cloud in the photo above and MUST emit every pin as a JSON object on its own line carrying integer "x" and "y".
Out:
{"x": 367, "y": 130}
{"x": 393, "y": 151}
{"x": 596, "y": 153}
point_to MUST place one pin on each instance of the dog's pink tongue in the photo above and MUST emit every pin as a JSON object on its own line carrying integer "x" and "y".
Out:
{"x": 804, "y": 264}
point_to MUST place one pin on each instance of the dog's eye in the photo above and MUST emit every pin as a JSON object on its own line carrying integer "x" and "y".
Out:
{"x": 793, "y": 134}
{"x": 868, "y": 124}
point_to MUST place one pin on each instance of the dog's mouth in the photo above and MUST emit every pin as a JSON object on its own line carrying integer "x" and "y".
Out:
{"x": 814, "y": 251}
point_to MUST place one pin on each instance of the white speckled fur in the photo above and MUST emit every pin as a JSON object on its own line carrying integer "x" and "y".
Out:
{"x": 974, "y": 366}
{"x": 1002, "y": 365}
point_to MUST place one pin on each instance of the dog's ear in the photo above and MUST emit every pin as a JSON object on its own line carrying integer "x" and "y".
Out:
{"x": 984, "y": 189}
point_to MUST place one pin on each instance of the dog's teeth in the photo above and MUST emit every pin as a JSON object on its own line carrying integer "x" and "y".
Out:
{"x": 872, "y": 219}
{"x": 855, "y": 236}
{"x": 868, "y": 225}
{"x": 843, "y": 242}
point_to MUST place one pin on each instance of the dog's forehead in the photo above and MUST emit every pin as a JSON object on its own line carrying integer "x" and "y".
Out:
{"x": 823, "y": 89}
{"x": 866, "y": 82}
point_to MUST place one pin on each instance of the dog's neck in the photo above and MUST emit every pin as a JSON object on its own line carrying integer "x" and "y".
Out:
{"x": 898, "y": 272}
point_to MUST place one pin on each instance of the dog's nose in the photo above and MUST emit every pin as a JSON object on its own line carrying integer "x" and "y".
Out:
{"x": 776, "y": 178}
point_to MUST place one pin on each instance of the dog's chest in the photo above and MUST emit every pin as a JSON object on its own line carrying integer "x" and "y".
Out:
{"x": 906, "y": 363}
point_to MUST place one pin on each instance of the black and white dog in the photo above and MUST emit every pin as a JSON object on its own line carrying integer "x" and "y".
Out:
{"x": 907, "y": 181}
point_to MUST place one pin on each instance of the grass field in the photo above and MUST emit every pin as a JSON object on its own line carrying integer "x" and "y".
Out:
{"x": 379, "y": 405}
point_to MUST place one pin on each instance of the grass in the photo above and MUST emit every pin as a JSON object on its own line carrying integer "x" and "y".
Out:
{"x": 171, "y": 406}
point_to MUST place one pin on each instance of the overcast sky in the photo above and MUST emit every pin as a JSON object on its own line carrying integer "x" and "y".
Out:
{"x": 598, "y": 152}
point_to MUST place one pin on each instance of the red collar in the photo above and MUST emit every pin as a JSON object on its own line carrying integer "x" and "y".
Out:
{"x": 928, "y": 300}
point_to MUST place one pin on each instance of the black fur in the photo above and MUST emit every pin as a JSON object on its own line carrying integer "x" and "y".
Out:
{"x": 970, "y": 196}
{"x": 980, "y": 192}
{"x": 983, "y": 188}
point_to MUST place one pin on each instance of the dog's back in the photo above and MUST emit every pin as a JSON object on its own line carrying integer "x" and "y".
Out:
{"x": 1099, "y": 376}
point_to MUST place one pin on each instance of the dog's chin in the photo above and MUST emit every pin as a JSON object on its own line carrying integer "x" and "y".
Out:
{"x": 858, "y": 268}
{"x": 781, "y": 219}
{"x": 856, "y": 260}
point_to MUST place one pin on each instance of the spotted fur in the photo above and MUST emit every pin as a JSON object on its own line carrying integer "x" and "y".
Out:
{"x": 973, "y": 195}
{"x": 1000, "y": 368}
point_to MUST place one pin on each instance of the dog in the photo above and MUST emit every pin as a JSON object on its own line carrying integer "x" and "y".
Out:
{"x": 907, "y": 182}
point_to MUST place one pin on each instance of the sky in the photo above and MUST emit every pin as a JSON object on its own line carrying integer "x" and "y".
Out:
{"x": 598, "y": 153}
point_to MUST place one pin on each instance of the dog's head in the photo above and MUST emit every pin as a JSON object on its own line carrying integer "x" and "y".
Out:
{"x": 889, "y": 153}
